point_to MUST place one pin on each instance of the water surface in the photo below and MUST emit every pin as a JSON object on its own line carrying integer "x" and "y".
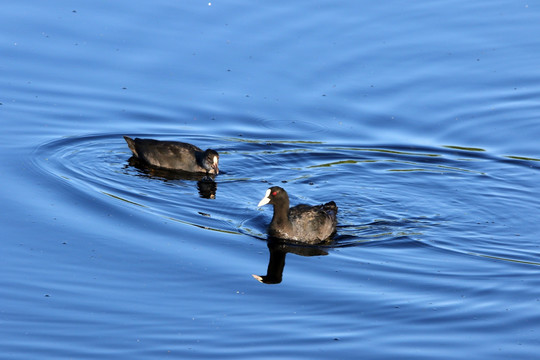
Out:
{"x": 419, "y": 120}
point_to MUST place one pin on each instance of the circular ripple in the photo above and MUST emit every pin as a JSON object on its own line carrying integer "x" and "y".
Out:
{"x": 304, "y": 127}
{"x": 449, "y": 198}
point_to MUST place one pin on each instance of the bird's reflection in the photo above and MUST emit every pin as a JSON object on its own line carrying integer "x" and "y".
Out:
{"x": 278, "y": 250}
{"x": 207, "y": 188}
{"x": 205, "y": 182}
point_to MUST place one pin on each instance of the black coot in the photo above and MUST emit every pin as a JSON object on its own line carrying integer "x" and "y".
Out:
{"x": 174, "y": 155}
{"x": 302, "y": 223}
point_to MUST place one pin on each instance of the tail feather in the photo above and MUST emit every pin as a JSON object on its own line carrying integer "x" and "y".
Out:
{"x": 131, "y": 144}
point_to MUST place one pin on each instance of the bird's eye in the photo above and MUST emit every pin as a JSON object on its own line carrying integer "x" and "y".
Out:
{"x": 274, "y": 193}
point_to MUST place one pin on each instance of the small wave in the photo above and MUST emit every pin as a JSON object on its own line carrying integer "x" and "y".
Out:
{"x": 384, "y": 192}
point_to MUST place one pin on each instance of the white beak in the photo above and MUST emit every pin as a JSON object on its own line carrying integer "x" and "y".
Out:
{"x": 215, "y": 165}
{"x": 266, "y": 199}
{"x": 259, "y": 278}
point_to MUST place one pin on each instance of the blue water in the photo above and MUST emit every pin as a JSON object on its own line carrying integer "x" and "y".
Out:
{"x": 421, "y": 121}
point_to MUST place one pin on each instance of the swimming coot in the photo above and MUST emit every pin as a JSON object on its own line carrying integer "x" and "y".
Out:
{"x": 302, "y": 223}
{"x": 174, "y": 155}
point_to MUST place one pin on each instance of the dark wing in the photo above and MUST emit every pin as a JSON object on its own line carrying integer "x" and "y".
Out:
{"x": 313, "y": 223}
{"x": 168, "y": 154}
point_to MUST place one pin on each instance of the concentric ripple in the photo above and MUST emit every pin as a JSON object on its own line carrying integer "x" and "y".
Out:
{"x": 458, "y": 199}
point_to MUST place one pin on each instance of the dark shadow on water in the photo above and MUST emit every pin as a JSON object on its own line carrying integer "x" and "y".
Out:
{"x": 207, "y": 188}
{"x": 205, "y": 182}
{"x": 278, "y": 250}
{"x": 396, "y": 233}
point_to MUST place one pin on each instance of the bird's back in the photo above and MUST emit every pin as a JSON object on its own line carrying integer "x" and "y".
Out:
{"x": 313, "y": 223}
{"x": 166, "y": 154}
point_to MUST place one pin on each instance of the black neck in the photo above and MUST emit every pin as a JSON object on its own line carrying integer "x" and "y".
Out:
{"x": 281, "y": 212}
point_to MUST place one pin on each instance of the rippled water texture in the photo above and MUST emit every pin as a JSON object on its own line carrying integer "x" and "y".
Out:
{"x": 385, "y": 191}
{"x": 419, "y": 120}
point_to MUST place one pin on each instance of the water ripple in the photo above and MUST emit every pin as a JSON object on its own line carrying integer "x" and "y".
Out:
{"x": 463, "y": 200}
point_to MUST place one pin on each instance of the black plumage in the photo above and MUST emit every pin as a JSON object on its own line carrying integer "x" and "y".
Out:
{"x": 302, "y": 223}
{"x": 174, "y": 155}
